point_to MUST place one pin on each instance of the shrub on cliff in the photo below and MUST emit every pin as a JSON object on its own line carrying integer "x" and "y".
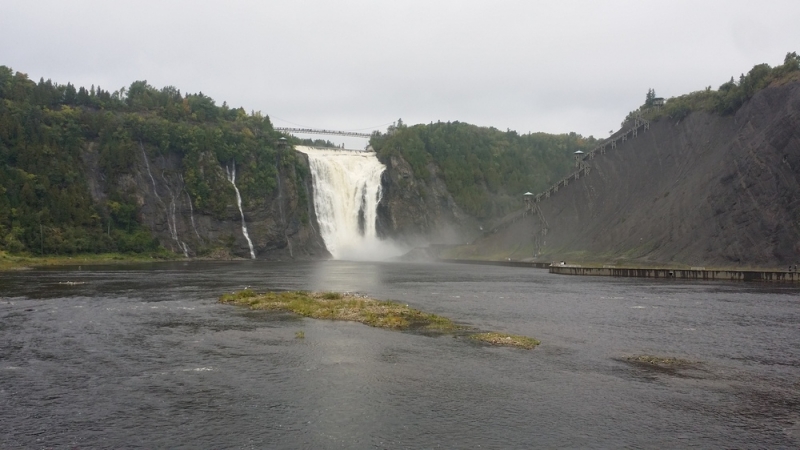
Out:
{"x": 731, "y": 95}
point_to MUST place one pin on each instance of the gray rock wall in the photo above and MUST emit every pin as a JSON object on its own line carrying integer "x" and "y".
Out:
{"x": 420, "y": 212}
{"x": 707, "y": 190}
{"x": 279, "y": 225}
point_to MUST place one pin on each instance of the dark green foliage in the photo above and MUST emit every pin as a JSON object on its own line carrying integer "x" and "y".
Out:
{"x": 731, "y": 95}
{"x": 650, "y": 98}
{"x": 47, "y": 130}
{"x": 486, "y": 170}
{"x": 313, "y": 142}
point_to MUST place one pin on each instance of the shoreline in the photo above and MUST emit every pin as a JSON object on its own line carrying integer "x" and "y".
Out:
{"x": 17, "y": 262}
{"x": 10, "y": 263}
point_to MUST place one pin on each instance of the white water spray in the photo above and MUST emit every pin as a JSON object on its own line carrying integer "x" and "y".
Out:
{"x": 232, "y": 179}
{"x": 347, "y": 190}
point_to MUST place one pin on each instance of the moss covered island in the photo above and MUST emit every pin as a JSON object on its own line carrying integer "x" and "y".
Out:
{"x": 372, "y": 312}
{"x": 659, "y": 361}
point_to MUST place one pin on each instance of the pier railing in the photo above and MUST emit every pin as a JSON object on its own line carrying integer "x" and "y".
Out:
{"x": 681, "y": 274}
{"x": 583, "y": 169}
{"x": 639, "y": 123}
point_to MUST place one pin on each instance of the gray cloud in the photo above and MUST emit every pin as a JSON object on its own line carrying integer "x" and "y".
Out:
{"x": 530, "y": 66}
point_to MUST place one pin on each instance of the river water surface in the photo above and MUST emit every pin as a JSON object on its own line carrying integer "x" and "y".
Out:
{"x": 144, "y": 357}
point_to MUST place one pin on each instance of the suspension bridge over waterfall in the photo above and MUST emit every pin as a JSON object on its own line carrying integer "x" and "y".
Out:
{"x": 321, "y": 131}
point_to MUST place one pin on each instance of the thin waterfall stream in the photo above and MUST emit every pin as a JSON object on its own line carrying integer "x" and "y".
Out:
{"x": 232, "y": 179}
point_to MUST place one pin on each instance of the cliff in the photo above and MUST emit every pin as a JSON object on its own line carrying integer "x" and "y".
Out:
{"x": 705, "y": 190}
{"x": 89, "y": 171}
{"x": 145, "y": 169}
{"x": 280, "y": 223}
{"x": 418, "y": 211}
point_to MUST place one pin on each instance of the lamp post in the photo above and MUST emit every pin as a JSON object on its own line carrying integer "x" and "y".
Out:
{"x": 527, "y": 199}
{"x": 282, "y": 144}
{"x": 578, "y": 157}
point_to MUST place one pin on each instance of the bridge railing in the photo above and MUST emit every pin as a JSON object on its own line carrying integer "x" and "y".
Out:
{"x": 321, "y": 131}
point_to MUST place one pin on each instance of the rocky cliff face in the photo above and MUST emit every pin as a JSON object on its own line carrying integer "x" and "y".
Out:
{"x": 418, "y": 212}
{"x": 707, "y": 190}
{"x": 280, "y": 225}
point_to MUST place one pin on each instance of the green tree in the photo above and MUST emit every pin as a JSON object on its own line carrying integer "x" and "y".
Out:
{"x": 650, "y": 98}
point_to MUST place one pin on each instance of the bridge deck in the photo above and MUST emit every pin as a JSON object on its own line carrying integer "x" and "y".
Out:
{"x": 327, "y": 132}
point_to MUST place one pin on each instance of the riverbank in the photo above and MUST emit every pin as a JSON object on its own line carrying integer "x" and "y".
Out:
{"x": 21, "y": 262}
{"x": 369, "y": 311}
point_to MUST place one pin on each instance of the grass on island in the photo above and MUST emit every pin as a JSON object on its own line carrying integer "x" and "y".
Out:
{"x": 659, "y": 361}
{"x": 511, "y": 340}
{"x": 336, "y": 306}
{"x": 375, "y": 313}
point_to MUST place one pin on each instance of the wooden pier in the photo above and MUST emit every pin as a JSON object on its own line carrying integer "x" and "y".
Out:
{"x": 681, "y": 274}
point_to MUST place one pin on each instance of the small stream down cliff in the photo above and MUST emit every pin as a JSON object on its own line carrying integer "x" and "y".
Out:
{"x": 232, "y": 179}
{"x": 347, "y": 190}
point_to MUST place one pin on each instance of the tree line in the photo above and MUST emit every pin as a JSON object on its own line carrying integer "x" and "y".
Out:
{"x": 49, "y": 133}
{"x": 486, "y": 170}
{"x": 731, "y": 95}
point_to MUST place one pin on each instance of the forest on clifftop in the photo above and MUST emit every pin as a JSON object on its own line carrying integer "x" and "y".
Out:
{"x": 46, "y": 206}
{"x": 486, "y": 170}
{"x": 49, "y": 131}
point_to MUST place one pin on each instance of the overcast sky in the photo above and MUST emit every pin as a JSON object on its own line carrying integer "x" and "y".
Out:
{"x": 359, "y": 65}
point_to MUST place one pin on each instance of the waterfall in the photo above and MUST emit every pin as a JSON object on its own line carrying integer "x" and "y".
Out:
{"x": 347, "y": 190}
{"x": 147, "y": 164}
{"x": 191, "y": 212}
{"x": 232, "y": 179}
{"x": 173, "y": 227}
{"x": 280, "y": 207}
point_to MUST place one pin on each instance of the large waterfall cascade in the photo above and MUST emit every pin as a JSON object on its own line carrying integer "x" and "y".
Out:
{"x": 347, "y": 190}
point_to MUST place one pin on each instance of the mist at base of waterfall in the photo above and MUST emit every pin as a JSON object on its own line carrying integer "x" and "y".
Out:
{"x": 370, "y": 249}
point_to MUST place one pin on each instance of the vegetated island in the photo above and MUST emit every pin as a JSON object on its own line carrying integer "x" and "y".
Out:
{"x": 372, "y": 312}
{"x": 659, "y": 361}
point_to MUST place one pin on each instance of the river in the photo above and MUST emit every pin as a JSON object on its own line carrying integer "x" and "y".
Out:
{"x": 142, "y": 356}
